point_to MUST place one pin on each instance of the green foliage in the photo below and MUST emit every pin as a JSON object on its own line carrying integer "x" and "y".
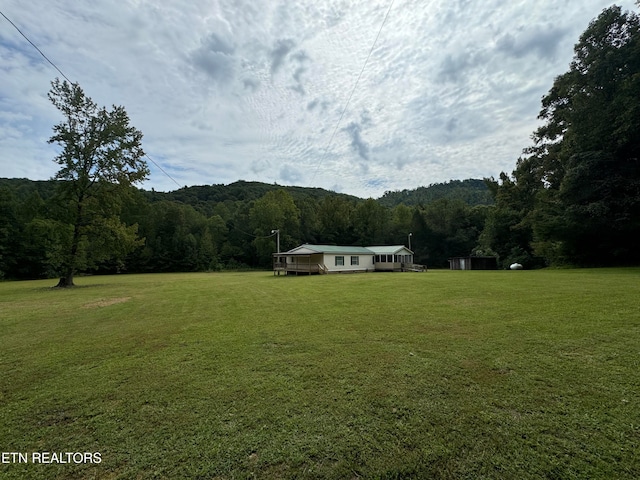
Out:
{"x": 8, "y": 229}
{"x": 371, "y": 223}
{"x": 101, "y": 158}
{"x": 450, "y": 228}
{"x": 575, "y": 197}
{"x": 49, "y": 241}
{"x": 507, "y": 228}
{"x": 178, "y": 238}
{"x": 97, "y": 145}
{"x": 470, "y": 191}
{"x": 206, "y": 197}
{"x": 205, "y": 235}
{"x": 335, "y": 215}
{"x": 594, "y": 110}
{"x": 27, "y": 242}
{"x": 276, "y": 210}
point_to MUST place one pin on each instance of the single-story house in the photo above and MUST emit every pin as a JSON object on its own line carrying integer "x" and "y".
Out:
{"x": 473, "y": 263}
{"x": 310, "y": 259}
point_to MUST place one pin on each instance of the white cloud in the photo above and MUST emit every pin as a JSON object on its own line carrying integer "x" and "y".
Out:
{"x": 253, "y": 89}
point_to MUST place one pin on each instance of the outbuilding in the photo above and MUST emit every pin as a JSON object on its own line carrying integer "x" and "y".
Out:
{"x": 473, "y": 263}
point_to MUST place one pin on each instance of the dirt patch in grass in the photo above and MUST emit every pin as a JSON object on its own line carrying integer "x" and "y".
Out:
{"x": 105, "y": 302}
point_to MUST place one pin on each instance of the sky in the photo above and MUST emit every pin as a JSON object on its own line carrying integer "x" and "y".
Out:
{"x": 354, "y": 96}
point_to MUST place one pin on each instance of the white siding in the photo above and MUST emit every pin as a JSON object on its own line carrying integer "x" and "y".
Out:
{"x": 365, "y": 262}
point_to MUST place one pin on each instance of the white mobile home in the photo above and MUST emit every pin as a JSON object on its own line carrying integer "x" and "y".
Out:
{"x": 312, "y": 259}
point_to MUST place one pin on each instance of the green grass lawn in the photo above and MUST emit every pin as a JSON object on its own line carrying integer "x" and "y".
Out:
{"x": 445, "y": 374}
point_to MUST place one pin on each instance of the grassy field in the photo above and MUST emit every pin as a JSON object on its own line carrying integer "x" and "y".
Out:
{"x": 445, "y": 374}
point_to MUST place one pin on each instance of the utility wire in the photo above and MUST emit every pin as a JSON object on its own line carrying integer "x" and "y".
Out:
{"x": 352, "y": 92}
{"x": 162, "y": 170}
{"x": 252, "y": 235}
{"x": 34, "y": 46}
{"x": 67, "y": 79}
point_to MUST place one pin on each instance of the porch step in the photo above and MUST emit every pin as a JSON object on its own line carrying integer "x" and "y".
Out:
{"x": 416, "y": 268}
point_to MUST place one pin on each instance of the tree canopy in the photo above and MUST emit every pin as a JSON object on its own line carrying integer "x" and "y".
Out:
{"x": 101, "y": 158}
{"x": 575, "y": 196}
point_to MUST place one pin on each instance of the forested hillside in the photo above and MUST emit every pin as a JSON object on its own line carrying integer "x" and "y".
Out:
{"x": 471, "y": 191}
{"x": 221, "y": 227}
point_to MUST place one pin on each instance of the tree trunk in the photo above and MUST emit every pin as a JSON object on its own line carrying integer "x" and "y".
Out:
{"x": 66, "y": 281}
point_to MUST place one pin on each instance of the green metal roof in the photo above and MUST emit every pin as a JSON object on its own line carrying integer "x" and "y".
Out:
{"x": 387, "y": 249}
{"x": 347, "y": 250}
{"x": 338, "y": 249}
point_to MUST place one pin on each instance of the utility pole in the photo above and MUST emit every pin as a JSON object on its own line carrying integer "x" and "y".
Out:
{"x": 409, "y": 237}
{"x": 277, "y": 232}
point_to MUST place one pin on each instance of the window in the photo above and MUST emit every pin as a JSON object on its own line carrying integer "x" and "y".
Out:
{"x": 339, "y": 261}
{"x": 355, "y": 260}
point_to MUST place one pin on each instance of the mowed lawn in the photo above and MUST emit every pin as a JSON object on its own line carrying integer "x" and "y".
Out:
{"x": 444, "y": 374}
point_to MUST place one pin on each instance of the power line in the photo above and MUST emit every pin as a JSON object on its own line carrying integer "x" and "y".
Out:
{"x": 67, "y": 79}
{"x": 252, "y": 235}
{"x": 34, "y": 46}
{"x": 352, "y": 92}
{"x": 162, "y": 170}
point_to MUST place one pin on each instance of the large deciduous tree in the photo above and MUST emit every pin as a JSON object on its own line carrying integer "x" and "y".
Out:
{"x": 101, "y": 157}
{"x": 582, "y": 175}
{"x": 592, "y": 113}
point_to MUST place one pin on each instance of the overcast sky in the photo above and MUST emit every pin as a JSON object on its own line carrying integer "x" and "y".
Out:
{"x": 227, "y": 90}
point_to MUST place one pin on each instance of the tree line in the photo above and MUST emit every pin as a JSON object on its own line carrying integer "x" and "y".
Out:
{"x": 573, "y": 198}
{"x": 186, "y": 231}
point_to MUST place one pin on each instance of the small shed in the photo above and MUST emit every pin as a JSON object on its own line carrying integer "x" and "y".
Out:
{"x": 473, "y": 263}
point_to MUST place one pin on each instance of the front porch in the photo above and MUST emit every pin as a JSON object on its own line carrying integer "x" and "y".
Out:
{"x": 299, "y": 265}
